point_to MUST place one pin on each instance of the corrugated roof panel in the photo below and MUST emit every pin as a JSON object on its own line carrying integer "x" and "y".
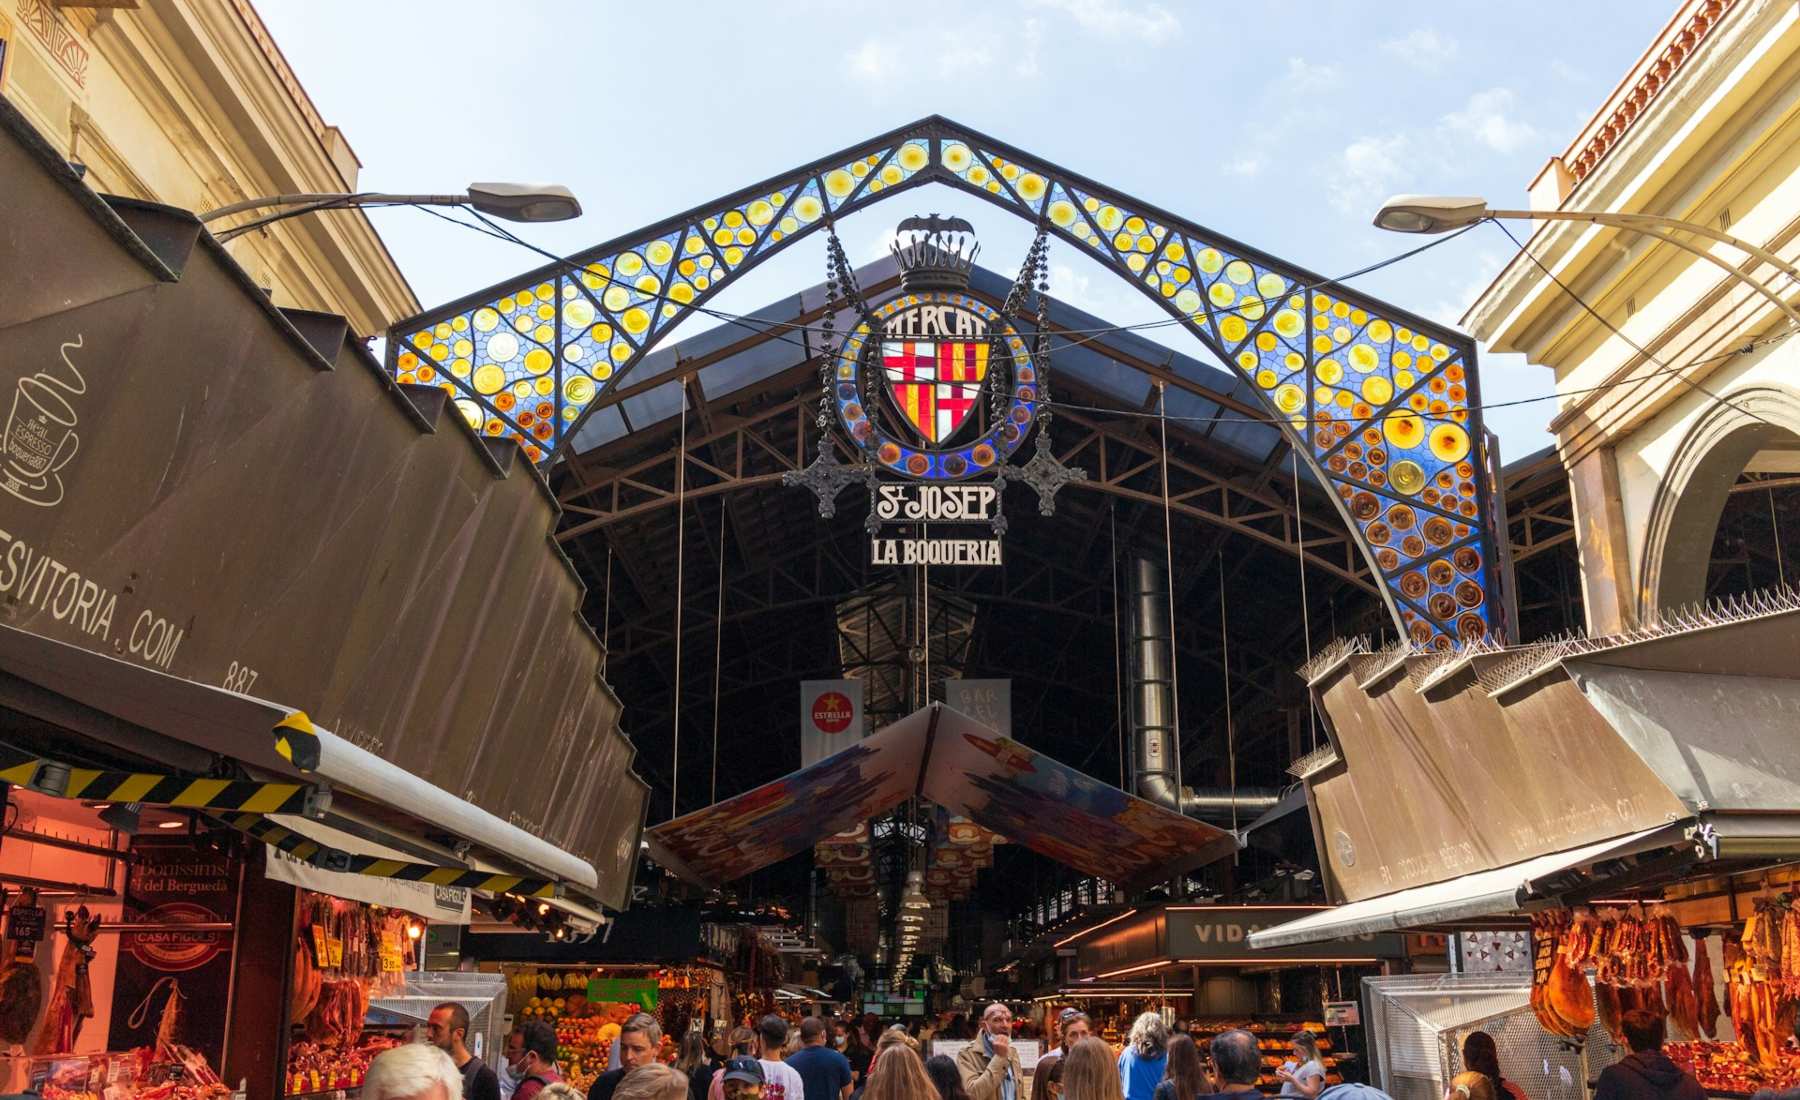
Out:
{"x": 653, "y": 406}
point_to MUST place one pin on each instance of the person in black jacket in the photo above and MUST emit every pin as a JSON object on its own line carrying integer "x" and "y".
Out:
{"x": 1646, "y": 1073}
{"x": 448, "y": 1030}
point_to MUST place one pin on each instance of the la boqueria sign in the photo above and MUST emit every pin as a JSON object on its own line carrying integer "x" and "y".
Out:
{"x": 1215, "y": 935}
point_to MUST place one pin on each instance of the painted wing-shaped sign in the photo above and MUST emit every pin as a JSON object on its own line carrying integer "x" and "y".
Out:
{"x": 789, "y": 815}
{"x": 966, "y": 768}
{"x": 1058, "y": 812}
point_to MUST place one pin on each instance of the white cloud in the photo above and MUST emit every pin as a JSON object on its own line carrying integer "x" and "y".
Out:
{"x": 1025, "y": 63}
{"x": 1488, "y": 117}
{"x": 1305, "y": 76}
{"x": 1248, "y": 165}
{"x": 1480, "y": 270}
{"x": 1118, "y": 18}
{"x": 873, "y": 62}
{"x": 1368, "y": 171}
{"x": 964, "y": 56}
{"x": 1423, "y": 48}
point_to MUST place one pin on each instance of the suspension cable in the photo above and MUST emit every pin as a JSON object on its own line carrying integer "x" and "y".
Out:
{"x": 1312, "y": 717}
{"x": 1162, "y": 406}
{"x": 606, "y": 626}
{"x": 1112, "y": 522}
{"x": 1775, "y": 532}
{"x": 680, "y": 578}
{"x": 1230, "y": 725}
{"x": 718, "y": 653}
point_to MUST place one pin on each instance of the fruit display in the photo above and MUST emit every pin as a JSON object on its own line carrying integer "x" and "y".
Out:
{"x": 1730, "y": 1068}
{"x": 586, "y": 1030}
{"x": 318, "y": 1067}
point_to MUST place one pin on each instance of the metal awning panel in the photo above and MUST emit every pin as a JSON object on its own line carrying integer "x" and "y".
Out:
{"x": 1488, "y": 893}
{"x": 242, "y": 728}
{"x": 1503, "y": 890}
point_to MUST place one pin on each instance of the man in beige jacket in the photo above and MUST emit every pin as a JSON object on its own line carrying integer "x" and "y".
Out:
{"x": 990, "y": 1066}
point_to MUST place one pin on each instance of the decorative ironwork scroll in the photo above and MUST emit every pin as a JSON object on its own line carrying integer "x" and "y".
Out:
{"x": 1383, "y": 405}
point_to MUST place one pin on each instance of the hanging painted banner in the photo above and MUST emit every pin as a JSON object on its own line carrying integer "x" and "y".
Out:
{"x": 831, "y": 717}
{"x": 173, "y": 969}
{"x": 987, "y": 701}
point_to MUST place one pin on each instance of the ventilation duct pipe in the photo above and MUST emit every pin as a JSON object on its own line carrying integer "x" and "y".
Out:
{"x": 1153, "y": 731}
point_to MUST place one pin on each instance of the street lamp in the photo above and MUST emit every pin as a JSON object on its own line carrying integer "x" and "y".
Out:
{"x": 517, "y": 202}
{"x": 1442, "y": 213}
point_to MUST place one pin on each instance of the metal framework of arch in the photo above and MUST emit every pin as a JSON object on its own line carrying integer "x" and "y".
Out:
{"x": 1384, "y": 406}
{"x": 1691, "y": 495}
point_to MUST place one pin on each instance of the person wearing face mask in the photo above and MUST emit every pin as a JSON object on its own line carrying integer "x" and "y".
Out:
{"x": 990, "y": 1066}
{"x": 531, "y": 1056}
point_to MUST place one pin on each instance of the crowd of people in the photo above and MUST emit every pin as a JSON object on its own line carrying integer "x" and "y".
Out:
{"x": 857, "y": 1059}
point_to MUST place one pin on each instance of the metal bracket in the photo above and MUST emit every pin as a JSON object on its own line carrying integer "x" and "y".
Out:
{"x": 1705, "y": 839}
{"x": 826, "y": 477}
{"x": 1046, "y": 473}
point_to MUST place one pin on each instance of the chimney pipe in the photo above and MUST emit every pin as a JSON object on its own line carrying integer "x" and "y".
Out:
{"x": 1153, "y": 731}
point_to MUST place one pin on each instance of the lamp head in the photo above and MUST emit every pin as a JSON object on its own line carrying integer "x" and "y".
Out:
{"x": 1430, "y": 213}
{"x": 525, "y": 202}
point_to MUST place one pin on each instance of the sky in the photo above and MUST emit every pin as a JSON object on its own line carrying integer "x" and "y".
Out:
{"x": 1280, "y": 124}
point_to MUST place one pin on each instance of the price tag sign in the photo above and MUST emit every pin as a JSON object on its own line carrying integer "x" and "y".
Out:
{"x": 1343, "y": 1014}
{"x": 334, "y": 948}
{"x": 392, "y": 960}
{"x": 321, "y": 947}
{"x": 26, "y": 923}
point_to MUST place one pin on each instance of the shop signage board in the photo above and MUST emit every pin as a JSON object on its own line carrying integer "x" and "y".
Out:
{"x": 831, "y": 717}
{"x": 1223, "y": 932}
{"x": 1218, "y": 934}
{"x": 987, "y": 701}
{"x": 442, "y": 904}
{"x": 170, "y": 886}
{"x": 642, "y": 992}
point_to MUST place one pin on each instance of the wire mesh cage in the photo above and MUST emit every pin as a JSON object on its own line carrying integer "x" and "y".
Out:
{"x": 482, "y": 995}
{"x": 1418, "y": 1023}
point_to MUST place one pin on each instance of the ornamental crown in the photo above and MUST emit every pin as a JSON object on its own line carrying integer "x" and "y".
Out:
{"x": 935, "y": 253}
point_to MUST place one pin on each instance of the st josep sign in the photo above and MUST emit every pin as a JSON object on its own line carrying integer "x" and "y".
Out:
{"x": 938, "y": 389}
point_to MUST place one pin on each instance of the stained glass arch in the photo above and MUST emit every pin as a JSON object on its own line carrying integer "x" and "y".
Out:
{"x": 1383, "y": 405}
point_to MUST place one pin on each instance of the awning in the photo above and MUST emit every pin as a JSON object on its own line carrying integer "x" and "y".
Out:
{"x": 1482, "y": 894}
{"x": 372, "y": 795}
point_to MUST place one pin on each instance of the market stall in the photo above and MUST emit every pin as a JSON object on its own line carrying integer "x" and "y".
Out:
{"x": 1722, "y": 969}
{"x": 586, "y": 1004}
{"x": 118, "y": 950}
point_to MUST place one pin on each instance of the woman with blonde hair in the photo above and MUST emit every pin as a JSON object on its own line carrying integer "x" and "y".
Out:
{"x": 1089, "y": 1073}
{"x": 1303, "y": 1074}
{"x": 652, "y": 1082}
{"x": 897, "y": 1073}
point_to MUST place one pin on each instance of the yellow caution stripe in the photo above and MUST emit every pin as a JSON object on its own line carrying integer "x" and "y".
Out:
{"x": 178, "y": 791}
{"x": 336, "y": 859}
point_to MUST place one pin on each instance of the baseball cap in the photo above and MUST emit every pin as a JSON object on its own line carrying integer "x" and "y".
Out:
{"x": 748, "y": 1070}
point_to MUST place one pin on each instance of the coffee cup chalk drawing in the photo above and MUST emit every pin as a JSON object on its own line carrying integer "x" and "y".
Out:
{"x": 40, "y": 434}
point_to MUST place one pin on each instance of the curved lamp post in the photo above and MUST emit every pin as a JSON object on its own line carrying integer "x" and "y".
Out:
{"x": 1442, "y": 213}
{"x": 518, "y": 202}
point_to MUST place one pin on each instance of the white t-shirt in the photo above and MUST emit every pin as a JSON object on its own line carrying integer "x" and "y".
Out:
{"x": 781, "y": 1081}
